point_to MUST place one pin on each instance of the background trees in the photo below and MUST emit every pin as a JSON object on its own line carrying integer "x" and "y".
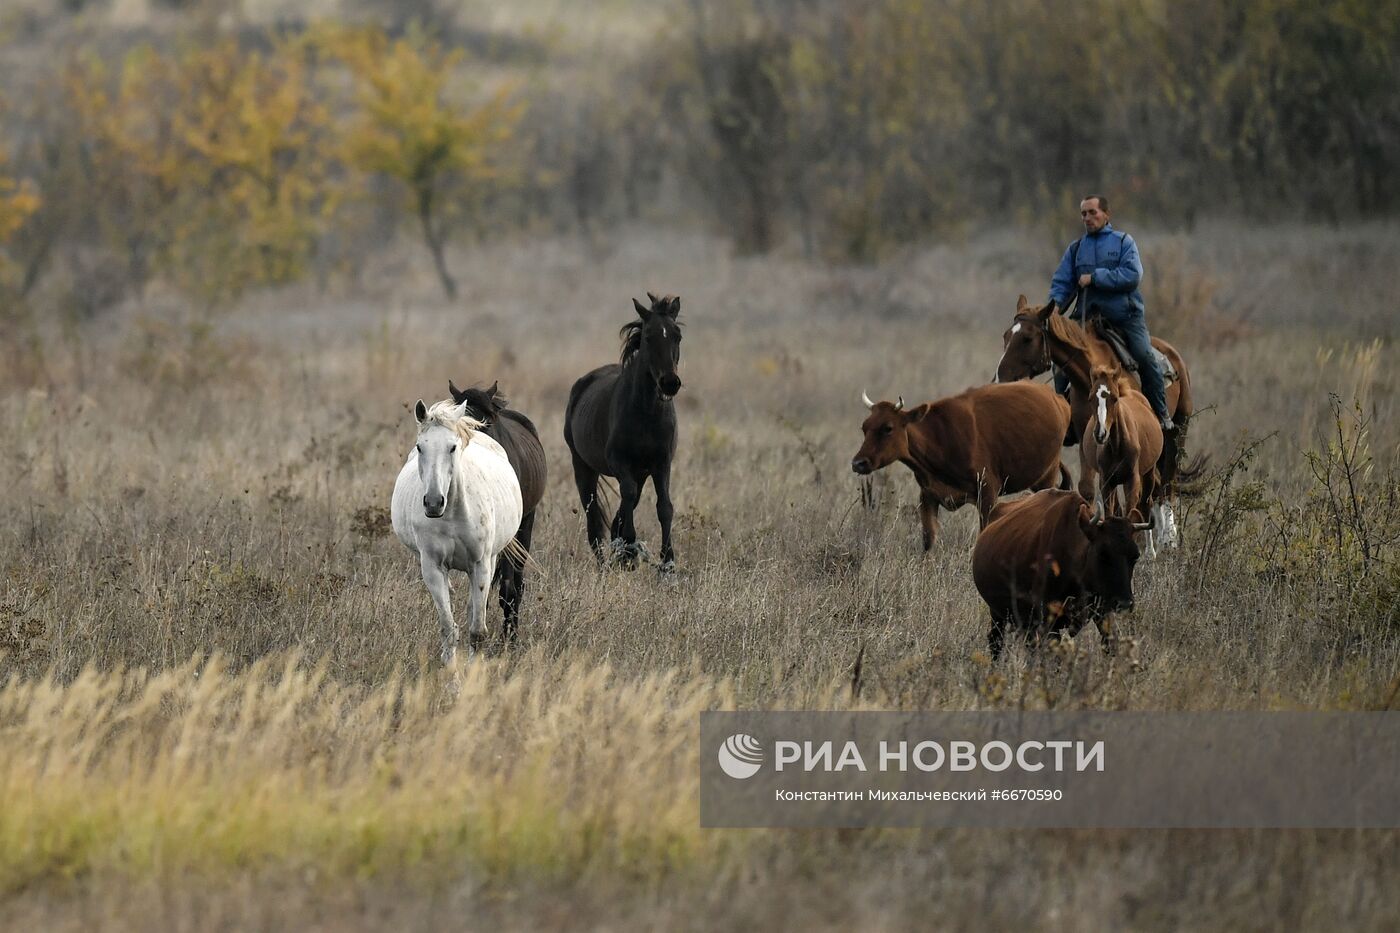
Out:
{"x": 407, "y": 127}
{"x": 215, "y": 155}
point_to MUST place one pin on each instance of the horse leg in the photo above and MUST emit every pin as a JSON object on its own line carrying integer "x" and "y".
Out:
{"x": 928, "y": 517}
{"x": 512, "y": 573}
{"x": 586, "y": 479}
{"x": 1168, "y": 495}
{"x": 661, "y": 482}
{"x": 1132, "y": 495}
{"x": 480, "y": 575}
{"x": 1088, "y": 469}
{"x": 996, "y": 637}
{"x": 435, "y": 579}
{"x": 623, "y": 531}
{"x": 1170, "y": 460}
{"x": 506, "y": 598}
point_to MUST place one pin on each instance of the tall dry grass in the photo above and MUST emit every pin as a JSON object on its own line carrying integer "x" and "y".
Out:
{"x": 177, "y": 487}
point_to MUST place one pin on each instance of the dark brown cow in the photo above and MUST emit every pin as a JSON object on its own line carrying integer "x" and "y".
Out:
{"x": 1047, "y": 563}
{"x": 971, "y": 447}
{"x": 1122, "y": 443}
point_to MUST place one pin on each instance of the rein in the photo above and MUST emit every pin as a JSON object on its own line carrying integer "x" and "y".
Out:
{"x": 1045, "y": 348}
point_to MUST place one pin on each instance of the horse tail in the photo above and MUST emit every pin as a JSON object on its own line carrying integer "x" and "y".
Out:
{"x": 516, "y": 554}
{"x": 607, "y": 493}
{"x": 1195, "y": 468}
{"x": 1188, "y": 478}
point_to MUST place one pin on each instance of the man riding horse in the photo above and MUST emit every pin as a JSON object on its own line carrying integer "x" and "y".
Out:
{"x": 1103, "y": 269}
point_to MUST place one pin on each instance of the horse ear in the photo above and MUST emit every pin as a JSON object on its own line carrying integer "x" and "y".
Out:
{"x": 420, "y": 411}
{"x": 654, "y": 299}
{"x": 1021, "y": 303}
{"x": 494, "y": 390}
{"x": 458, "y": 395}
{"x": 673, "y": 309}
{"x": 643, "y": 311}
{"x": 1045, "y": 312}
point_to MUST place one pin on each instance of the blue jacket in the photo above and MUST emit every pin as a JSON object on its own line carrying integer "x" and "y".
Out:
{"x": 1112, "y": 258}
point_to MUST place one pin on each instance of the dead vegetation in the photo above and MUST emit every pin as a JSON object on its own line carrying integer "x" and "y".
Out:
{"x": 214, "y": 667}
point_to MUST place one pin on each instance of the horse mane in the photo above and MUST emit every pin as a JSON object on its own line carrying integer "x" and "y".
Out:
{"x": 631, "y": 337}
{"x": 631, "y": 333}
{"x": 1066, "y": 333}
{"x": 444, "y": 414}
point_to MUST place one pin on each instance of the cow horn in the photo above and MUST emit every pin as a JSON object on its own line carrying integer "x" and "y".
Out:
{"x": 899, "y": 406}
{"x": 865, "y": 397}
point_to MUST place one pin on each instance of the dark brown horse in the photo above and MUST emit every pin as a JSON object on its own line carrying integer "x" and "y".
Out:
{"x": 621, "y": 422}
{"x": 517, "y": 436}
{"x": 1039, "y": 337}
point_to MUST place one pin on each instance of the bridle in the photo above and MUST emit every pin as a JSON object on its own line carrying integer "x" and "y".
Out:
{"x": 1046, "y": 363}
{"x": 1045, "y": 358}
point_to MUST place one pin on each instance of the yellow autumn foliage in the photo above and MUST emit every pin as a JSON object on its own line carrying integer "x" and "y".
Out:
{"x": 222, "y": 156}
{"x": 408, "y": 127}
{"x": 18, "y": 202}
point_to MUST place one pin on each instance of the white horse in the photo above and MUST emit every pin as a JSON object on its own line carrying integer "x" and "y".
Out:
{"x": 457, "y": 506}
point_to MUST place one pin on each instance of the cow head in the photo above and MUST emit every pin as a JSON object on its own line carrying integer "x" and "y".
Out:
{"x": 1110, "y": 559}
{"x": 886, "y": 432}
{"x": 1025, "y": 351}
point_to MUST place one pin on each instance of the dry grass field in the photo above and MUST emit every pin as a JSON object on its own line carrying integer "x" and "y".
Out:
{"x": 218, "y": 705}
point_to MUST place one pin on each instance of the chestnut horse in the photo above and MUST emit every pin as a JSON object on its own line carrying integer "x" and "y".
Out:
{"x": 1039, "y": 337}
{"x": 1119, "y": 450}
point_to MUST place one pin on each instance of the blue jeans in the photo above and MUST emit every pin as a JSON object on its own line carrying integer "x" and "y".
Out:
{"x": 1134, "y": 331}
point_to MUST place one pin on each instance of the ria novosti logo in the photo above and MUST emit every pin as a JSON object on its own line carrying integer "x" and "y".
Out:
{"x": 740, "y": 756}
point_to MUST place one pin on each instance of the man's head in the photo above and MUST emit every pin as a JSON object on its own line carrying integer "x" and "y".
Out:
{"x": 1093, "y": 210}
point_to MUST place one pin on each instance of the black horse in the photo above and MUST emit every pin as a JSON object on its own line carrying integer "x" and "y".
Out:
{"x": 621, "y": 422}
{"x": 517, "y": 436}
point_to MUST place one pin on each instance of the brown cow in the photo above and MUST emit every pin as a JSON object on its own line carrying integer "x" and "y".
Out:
{"x": 970, "y": 447}
{"x": 1120, "y": 450}
{"x": 1046, "y": 562}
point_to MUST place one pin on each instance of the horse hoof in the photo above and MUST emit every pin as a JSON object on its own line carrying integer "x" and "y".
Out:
{"x": 667, "y": 571}
{"x": 625, "y": 555}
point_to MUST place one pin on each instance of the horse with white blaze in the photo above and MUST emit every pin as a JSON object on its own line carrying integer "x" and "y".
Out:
{"x": 456, "y": 505}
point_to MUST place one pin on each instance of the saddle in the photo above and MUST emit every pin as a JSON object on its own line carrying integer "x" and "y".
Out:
{"x": 1110, "y": 336}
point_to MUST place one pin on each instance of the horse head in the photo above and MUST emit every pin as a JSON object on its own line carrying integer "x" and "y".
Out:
{"x": 443, "y": 429}
{"x": 1105, "y": 389}
{"x": 482, "y": 404}
{"x": 654, "y": 339}
{"x": 1025, "y": 351}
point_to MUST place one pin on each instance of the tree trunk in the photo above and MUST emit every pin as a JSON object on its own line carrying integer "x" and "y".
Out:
{"x": 434, "y": 239}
